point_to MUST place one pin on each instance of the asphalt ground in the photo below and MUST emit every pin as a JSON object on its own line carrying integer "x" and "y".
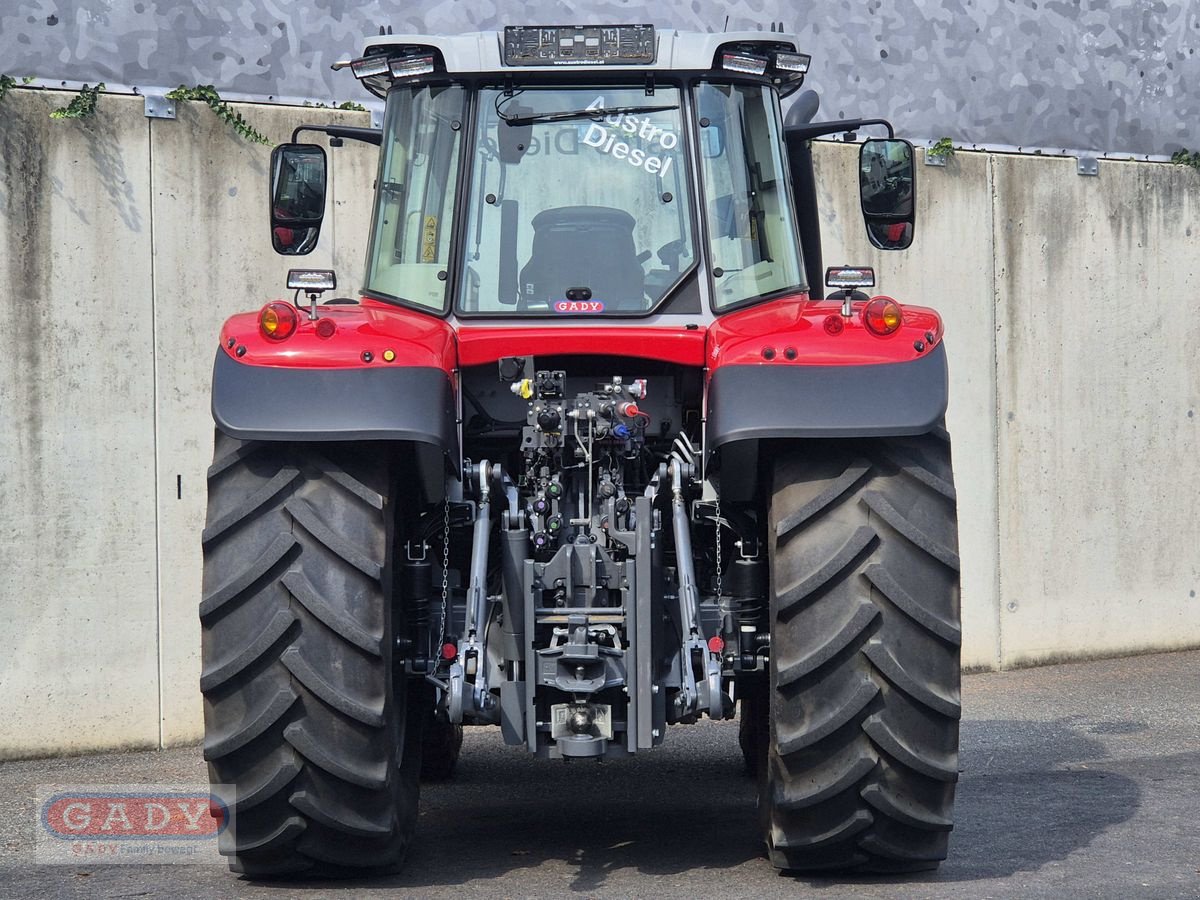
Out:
{"x": 1078, "y": 780}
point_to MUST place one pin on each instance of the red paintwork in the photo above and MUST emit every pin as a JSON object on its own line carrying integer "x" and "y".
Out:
{"x": 739, "y": 338}
{"x": 419, "y": 339}
{"x": 675, "y": 344}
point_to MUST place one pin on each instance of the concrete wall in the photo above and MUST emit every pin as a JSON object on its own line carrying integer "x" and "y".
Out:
{"x": 1075, "y": 392}
{"x": 78, "y": 568}
{"x": 1098, "y": 398}
{"x": 212, "y": 259}
{"x": 125, "y": 241}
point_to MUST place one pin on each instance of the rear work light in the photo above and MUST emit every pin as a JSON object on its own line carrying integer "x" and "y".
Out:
{"x": 404, "y": 66}
{"x": 744, "y": 63}
{"x": 792, "y": 62}
{"x": 369, "y": 66}
{"x": 882, "y": 315}
{"x": 277, "y": 320}
{"x": 850, "y": 277}
{"x": 311, "y": 280}
{"x": 410, "y": 66}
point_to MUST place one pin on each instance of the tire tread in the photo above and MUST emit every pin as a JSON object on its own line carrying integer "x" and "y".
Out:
{"x": 302, "y": 721}
{"x": 861, "y": 724}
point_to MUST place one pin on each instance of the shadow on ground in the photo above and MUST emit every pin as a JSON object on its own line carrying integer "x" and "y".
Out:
{"x": 1036, "y": 796}
{"x": 1030, "y": 793}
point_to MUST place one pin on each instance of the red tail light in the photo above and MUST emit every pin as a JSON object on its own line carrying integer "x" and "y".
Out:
{"x": 277, "y": 320}
{"x": 882, "y": 315}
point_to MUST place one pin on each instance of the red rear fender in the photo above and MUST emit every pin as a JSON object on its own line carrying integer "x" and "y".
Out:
{"x": 362, "y": 335}
{"x": 794, "y": 332}
{"x": 789, "y": 331}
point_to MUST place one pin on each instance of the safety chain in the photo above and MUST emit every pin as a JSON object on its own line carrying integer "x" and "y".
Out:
{"x": 445, "y": 570}
{"x": 719, "y": 572}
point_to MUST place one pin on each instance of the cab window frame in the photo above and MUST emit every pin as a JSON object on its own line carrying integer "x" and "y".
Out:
{"x": 802, "y": 286}
{"x": 648, "y": 81}
{"x": 461, "y": 169}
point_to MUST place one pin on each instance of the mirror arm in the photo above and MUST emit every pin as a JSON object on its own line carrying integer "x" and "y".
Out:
{"x": 818, "y": 129}
{"x": 353, "y": 132}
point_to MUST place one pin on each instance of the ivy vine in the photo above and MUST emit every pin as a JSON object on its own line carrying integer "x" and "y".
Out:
{"x": 82, "y": 105}
{"x": 349, "y": 105}
{"x": 206, "y": 93}
{"x": 1187, "y": 158}
{"x": 942, "y": 149}
{"x": 7, "y": 83}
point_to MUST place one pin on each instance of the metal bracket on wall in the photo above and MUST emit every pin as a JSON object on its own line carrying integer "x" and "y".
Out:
{"x": 1088, "y": 165}
{"x": 159, "y": 107}
{"x": 376, "y": 119}
{"x": 935, "y": 160}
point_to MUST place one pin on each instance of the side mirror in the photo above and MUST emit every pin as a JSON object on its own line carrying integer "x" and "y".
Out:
{"x": 886, "y": 181}
{"x": 297, "y": 197}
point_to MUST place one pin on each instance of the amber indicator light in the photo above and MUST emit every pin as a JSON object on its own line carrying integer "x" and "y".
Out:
{"x": 882, "y": 316}
{"x": 277, "y": 320}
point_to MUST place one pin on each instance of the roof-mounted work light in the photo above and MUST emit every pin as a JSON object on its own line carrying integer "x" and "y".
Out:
{"x": 796, "y": 63}
{"x": 411, "y": 66}
{"x": 403, "y": 66}
{"x": 369, "y": 66}
{"x": 746, "y": 63}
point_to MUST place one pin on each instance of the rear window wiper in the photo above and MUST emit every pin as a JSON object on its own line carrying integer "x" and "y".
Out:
{"x": 569, "y": 114}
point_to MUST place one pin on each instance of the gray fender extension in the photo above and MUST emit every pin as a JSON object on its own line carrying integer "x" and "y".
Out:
{"x": 404, "y": 403}
{"x": 788, "y": 401}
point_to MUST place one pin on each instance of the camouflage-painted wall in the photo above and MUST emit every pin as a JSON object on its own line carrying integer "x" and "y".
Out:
{"x": 1074, "y": 75}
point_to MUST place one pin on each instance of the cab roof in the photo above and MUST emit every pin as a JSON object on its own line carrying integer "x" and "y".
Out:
{"x": 483, "y": 51}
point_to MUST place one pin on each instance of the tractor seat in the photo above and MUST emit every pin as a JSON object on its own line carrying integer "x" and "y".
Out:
{"x": 584, "y": 246}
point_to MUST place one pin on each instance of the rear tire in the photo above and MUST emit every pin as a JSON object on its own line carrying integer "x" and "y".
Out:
{"x": 306, "y": 728}
{"x": 864, "y": 695}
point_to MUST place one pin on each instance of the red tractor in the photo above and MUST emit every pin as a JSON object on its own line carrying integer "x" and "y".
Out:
{"x": 591, "y": 454}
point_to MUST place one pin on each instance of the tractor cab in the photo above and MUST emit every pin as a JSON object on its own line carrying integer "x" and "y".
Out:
{"x": 590, "y": 171}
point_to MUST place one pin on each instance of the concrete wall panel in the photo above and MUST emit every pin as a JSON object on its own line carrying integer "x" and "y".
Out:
{"x": 1099, "y": 403}
{"x": 948, "y": 267}
{"x": 213, "y": 258}
{"x": 78, "y": 619}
